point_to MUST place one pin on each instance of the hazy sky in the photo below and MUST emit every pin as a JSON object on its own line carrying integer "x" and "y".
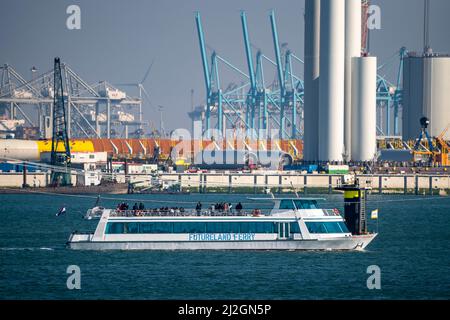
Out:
{"x": 118, "y": 40}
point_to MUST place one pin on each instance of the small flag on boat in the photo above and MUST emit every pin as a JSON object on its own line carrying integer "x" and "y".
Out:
{"x": 61, "y": 211}
{"x": 374, "y": 214}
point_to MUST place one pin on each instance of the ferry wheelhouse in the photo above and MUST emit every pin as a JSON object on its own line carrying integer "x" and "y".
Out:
{"x": 292, "y": 224}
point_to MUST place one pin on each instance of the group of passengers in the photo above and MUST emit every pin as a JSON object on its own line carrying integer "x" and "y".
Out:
{"x": 139, "y": 210}
{"x": 220, "y": 207}
{"x": 122, "y": 206}
{"x": 139, "y": 207}
{"x": 256, "y": 212}
{"x": 167, "y": 210}
{"x": 217, "y": 208}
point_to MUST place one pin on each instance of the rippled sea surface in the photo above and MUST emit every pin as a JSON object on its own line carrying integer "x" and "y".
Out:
{"x": 412, "y": 250}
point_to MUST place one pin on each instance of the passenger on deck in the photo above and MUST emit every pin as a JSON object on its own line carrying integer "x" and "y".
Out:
{"x": 198, "y": 208}
{"x": 141, "y": 206}
{"x": 257, "y": 212}
{"x": 239, "y": 208}
{"x": 135, "y": 207}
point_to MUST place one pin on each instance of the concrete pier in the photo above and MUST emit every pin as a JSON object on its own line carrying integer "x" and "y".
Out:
{"x": 315, "y": 183}
{"x": 260, "y": 182}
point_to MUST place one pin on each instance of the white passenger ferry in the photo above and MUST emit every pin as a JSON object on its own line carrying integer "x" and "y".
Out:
{"x": 292, "y": 224}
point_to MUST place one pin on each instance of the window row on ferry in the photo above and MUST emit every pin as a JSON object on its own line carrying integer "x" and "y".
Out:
{"x": 195, "y": 227}
{"x": 300, "y": 204}
{"x": 219, "y": 227}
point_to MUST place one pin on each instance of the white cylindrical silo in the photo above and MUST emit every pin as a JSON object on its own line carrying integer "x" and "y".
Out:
{"x": 364, "y": 107}
{"x": 331, "y": 83}
{"x": 436, "y": 100}
{"x": 426, "y": 92}
{"x": 14, "y": 149}
{"x": 353, "y": 14}
{"x": 311, "y": 78}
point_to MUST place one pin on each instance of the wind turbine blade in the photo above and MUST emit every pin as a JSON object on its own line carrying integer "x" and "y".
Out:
{"x": 148, "y": 71}
{"x": 148, "y": 97}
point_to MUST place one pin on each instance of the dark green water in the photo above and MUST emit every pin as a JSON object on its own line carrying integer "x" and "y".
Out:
{"x": 412, "y": 250}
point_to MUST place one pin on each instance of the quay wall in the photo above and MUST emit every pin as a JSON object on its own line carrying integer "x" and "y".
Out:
{"x": 259, "y": 182}
{"x": 321, "y": 183}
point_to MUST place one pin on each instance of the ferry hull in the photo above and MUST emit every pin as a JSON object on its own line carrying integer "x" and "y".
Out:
{"x": 356, "y": 243}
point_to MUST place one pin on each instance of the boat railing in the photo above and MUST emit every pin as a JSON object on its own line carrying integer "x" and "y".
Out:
{"x": 187, "y": 213}
{"x": 81, "y": 236}
{"x": 331, "y": 212}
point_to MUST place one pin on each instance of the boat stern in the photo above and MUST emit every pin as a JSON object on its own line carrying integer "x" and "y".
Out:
{"x": 362, "y": 241}
{"x": 76, "y": 238}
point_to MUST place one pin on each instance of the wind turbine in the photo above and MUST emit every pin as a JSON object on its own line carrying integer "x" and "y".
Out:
{"x": 141, "y": 88}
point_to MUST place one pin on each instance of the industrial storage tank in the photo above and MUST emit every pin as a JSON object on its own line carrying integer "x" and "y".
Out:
{"x": 352, "y": 50}
{"x": 312, "y": 73}
{"x": 364, "y": 108}
{"x": 31, "y": 150}
{"x": 331, "y": 84}
{"x": 426, "y": 93}
{"x": 13, "y": 149}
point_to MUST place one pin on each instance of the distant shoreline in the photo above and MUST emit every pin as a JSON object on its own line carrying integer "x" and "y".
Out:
{"x": 108, "y": 189}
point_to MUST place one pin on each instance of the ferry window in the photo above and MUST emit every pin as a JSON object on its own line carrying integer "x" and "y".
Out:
{"x": 259, "y": 227}
{"x": 316, "y": 227}
{"x": 114, "y": 228}
{"x": 189, "y": 227}
{"x": 180, "y": 228}
{"x": 232, "y": 227}
{"x": 264, "y": 227}
{"x": 343, "y": 227}
{"x": 306, "y": 204}
{"x": 287, "y": 205}
{"x": 327, "y": 227}
{"x": 245, "y": 227}
{"x": 147, "y": 227}
{"x": 216, "y": 227}
{"x": 295, "y": 228}
{"x": 131, "y": 227}
{"x": 163, "y": 227}
{"x": 274, "y": 227}
{"x": 333, "y": 227}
